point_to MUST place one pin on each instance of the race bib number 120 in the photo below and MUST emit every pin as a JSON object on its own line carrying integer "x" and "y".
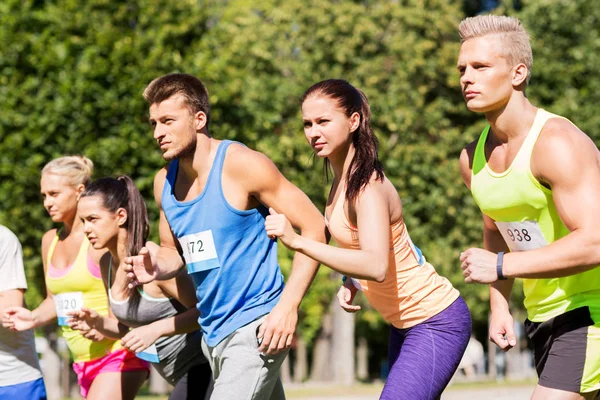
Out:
{"x": 199, "y": 251}
{"x": 522, "y": 236}
{"x": 67, "y": 302}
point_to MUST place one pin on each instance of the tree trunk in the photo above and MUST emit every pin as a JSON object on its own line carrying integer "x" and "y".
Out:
{"x": 158, "y": 385}
{"x": 301, "y": 361}
{"x": 342, "y": 345}
{"x": 321, "y": 363}
{"x": 362, "y": 359}
{"x": 285, "y": 373}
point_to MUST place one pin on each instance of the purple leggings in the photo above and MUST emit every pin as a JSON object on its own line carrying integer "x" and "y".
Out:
{"x": 423, "y": 358}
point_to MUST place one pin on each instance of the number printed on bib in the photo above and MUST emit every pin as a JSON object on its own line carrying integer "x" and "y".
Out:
{"x": 67, "y": 302}
{"x": 199, "y": 251}
{"x": 522, "y": 236}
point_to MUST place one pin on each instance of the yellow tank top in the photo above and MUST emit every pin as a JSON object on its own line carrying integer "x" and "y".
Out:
{"x": 83, "y": 276}
{"x": 525, "y": 214}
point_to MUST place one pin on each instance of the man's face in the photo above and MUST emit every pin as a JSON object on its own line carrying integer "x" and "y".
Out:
{"x": 485, "y": 74}
{"x": 174, "y": 127}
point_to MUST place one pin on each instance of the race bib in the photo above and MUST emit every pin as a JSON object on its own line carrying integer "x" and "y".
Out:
{"x": 199, "y": 251}
{"x": 522, "y": 236}
{"x": 150, "y": 354}
{"x": 67, "y": 302}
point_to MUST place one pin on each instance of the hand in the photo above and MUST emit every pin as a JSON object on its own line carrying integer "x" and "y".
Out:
{"x": 277, "y": 330}
{"x": 83, "y": 320}
{"x": 277, "y": 225}
{"x": 502, "y": 331}
{"x": 18, "y": 319}
{"x": 140, "y": 338}
{"x": 141, "y": 268}
{"x": 479, "y": 266}
{"x": 93, "y": 335}
{"x": 346, "y": 296}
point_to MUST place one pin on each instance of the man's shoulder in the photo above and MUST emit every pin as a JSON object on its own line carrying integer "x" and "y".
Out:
{"x": 560, "y": 134}
{"x": 243, "y": 160}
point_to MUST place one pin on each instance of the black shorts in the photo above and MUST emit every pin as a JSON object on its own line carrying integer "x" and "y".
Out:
{"x": 562, "y": 348}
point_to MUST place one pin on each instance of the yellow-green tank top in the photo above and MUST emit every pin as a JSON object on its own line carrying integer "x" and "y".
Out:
{"x": 516, "y": 199}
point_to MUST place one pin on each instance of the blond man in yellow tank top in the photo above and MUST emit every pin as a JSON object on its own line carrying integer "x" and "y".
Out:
{"x": 536, "y": 179}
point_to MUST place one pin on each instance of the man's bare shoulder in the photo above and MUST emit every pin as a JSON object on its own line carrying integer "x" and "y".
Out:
{"x": 559, "y": 136}
{"x": 252, "y": 169}
{"x": 561, "y": 150}
{"x": 243, "y": 161}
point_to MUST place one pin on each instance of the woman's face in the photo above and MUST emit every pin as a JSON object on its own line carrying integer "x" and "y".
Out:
{"x": 100, "y": 225}
{"x": 327, "y": 128}
{"x": 60, "y": 197}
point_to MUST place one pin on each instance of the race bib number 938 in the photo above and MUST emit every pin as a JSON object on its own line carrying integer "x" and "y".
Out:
{"x": 522, "y": 236}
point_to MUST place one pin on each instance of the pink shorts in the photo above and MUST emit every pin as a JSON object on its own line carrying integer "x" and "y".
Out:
{"x": 120, "y": 360}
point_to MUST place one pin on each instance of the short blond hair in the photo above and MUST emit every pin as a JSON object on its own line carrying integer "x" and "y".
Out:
{"x": 516, "y": 46}
{"x": 78, "y": 169}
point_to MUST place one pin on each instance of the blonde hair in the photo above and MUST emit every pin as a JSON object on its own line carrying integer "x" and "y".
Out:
{"x": 515, "y": 40}
{"x": 78, "y": 169}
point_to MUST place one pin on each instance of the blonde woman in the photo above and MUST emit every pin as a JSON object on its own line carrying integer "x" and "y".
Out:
{"x": 104, "y": 369}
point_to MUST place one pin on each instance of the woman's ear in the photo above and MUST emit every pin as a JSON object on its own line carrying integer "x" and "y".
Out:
{"x": 79, "y": 189}
{"x": 354, "y": 122}
{"x": 121, "y": 216}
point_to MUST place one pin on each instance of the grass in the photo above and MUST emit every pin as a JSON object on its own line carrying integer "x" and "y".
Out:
{"x": 333, "y": 390}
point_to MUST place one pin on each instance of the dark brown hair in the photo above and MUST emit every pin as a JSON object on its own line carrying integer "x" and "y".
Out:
{"x": 366, "y": 160}
{"x": 122, "y": 193}
{"x": 191, "y": 88}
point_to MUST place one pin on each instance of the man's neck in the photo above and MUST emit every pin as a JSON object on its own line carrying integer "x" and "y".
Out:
{"x": 512, "y": 121}
{"x": 194, "y": 164}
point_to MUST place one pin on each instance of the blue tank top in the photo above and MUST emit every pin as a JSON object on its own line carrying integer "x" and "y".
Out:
{"x": 231, "y": 259}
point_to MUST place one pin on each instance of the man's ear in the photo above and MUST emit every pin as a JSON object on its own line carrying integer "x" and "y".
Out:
{"x": 520, "y": 72}
{"x": 200, "y": 120}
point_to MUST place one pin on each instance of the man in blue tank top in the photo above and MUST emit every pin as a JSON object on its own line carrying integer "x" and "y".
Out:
{"x": 213, "y": 198}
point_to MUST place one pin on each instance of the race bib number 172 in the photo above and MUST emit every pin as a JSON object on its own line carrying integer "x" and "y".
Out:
{"x": 199, "y": 251}
{"x": 522, "y": 236}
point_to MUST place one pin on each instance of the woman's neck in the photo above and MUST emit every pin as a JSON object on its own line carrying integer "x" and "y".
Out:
{"x": 118, "y": 252}
{"x": 340, "y": 162}
{"x": 72, "y": 226}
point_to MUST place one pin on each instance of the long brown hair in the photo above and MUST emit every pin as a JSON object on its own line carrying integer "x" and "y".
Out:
{"x": 122, "y": 193}
{"x": 366, "y": 159}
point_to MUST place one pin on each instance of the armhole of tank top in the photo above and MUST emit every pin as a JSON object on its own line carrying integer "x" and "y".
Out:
{"x": 170, "y": 179}
{"x": 547, "y": 117}
{"x": 479, "y": 160}
{"x": 52, "y": 247}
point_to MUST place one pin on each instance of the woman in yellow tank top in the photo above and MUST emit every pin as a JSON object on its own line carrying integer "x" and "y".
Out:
{"x": 430, "y": 322}
{"x": 104, "y": 370}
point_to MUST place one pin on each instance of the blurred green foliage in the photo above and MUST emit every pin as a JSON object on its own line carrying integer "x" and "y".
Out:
{"x": 72, "y": 73}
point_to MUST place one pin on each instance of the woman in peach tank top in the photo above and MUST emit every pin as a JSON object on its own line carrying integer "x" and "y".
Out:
{"x": 104, "y": 369}
{"x": 429, "y": 320}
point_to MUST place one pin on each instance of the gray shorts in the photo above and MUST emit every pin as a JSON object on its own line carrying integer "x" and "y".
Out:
{"x": 240, "y": 371}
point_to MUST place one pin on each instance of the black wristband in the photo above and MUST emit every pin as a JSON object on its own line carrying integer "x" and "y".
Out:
{"x": 499, "y": 261}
